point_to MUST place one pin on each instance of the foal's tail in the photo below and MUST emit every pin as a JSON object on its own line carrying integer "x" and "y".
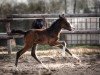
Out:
{"x": 18, "y": 32}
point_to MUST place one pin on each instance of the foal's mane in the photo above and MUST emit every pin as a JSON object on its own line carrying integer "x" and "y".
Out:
{"x": 54, "y": 25}
{"x": 55, "y": 28}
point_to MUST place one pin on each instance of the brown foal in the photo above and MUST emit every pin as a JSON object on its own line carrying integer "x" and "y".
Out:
{"x": 44, "y": 36}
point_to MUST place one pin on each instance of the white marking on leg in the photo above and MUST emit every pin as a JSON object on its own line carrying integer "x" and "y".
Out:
{"x": 36, "y": 47}
{"x": 74, "y": 56}
{"x": 44, "y": 66}
{"x": 63, "y": 51}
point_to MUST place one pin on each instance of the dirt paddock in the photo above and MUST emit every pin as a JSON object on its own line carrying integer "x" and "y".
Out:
{"x": 55, "y": 65}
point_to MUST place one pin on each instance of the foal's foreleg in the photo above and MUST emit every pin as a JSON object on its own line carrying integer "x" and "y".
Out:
{"x": 34, "y": 48}
{"x": 62, "y": 45}
{"x": 66, "y": 49}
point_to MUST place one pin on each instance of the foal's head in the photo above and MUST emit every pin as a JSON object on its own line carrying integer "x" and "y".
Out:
{"x": 64, "y": 23}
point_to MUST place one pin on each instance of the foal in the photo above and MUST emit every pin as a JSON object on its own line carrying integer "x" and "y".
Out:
{"x": 44, "y": 36}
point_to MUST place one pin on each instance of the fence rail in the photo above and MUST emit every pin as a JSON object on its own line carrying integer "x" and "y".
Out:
{"x": 51, "y": 15}
{"x": 81, "y": 32}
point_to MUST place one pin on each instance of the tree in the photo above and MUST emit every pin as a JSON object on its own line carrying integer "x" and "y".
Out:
{"x": 74, "y": 10}
{"x": 20, "y": 8}
{"x": 96, "y": 4}
{"x": 36, "y": 7}
{"x": 56, "y": 6}
{"x": 81, "y": 5}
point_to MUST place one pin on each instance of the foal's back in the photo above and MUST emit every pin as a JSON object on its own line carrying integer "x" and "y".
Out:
{"x": 39, "y": 36}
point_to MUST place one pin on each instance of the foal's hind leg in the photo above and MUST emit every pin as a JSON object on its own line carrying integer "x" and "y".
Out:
{"x": 19, "y": 53}
{"x": 34, "y": 54}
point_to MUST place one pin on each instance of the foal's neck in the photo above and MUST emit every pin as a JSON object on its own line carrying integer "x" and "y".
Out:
{"x": 55, "y": 28}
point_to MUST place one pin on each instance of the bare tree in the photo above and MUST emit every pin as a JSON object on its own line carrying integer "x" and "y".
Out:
{"x": 74, "y": 8}
{"x": 96, "y": 5}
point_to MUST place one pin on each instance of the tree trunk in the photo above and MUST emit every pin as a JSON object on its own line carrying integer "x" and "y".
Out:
{"x": 74, "y": 10}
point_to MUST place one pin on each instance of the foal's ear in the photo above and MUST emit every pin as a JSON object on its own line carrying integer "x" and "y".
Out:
{"x": 60, "y": 16}
{"x": 63, "y": 15}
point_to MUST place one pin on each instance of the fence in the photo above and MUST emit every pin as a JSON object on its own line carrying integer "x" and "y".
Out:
{"x": 86, "y": 31}
{"x": 86, "y": 27}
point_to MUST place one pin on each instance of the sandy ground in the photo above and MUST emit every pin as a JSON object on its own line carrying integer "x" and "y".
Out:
{"x": 56, "y": 65}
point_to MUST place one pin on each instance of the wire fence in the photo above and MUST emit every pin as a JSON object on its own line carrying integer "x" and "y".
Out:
{"x": 91, "y": 24}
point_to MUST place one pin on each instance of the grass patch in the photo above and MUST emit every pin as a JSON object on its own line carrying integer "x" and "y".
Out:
{"x": 39, "y": 47}
{"x": 75, "y": 49}
{"x": 85, "y": 49}
{"x": 17, "y": 48}
{"x": 84, "y": 46}
{"x": 46, "y": 47}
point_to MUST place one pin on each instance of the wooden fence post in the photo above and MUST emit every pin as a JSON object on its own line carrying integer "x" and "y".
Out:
{"x": 99, "y": 29}
{"x": 8, "y": 40}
